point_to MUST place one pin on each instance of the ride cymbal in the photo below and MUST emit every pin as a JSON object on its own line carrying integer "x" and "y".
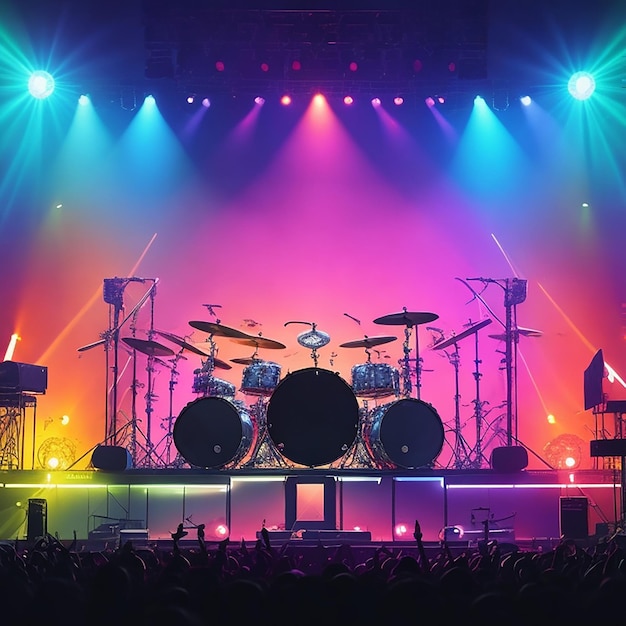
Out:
{"x": 406, "y": 318}
{"x": 179, "y": 341}
{"x": 147, "y": 346}
{"x": 368, "y": 342}
{"x": 523, "y": 332}
{"x": 474, "y": 328}
{"x": 217, "y": 329}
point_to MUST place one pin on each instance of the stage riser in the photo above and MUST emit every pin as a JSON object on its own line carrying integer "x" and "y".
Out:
{"x": 377, "y": 505}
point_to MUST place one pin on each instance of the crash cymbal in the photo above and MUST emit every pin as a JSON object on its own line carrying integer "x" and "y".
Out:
{"x": 474, "y": 328}
{"x": 406, "y": 318}
{"x": 368, "y": 342}
{"x": 217, "y": 329}
{"x": 149, "y": 347}
{"x": 258, "y": 342}
{"x": 313, "y": 339}
{"x": 89, "y": 346}
{"x": 248, "y": 360}
{"x": 523, "y": 332}
{"x": 179, "y": 341}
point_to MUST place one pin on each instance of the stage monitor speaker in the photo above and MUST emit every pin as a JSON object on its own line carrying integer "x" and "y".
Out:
{"x": 509, "y": 459}
{"x": 574, "y": 517}
{"x": 607, "y": 447}
{"x": 37, "y": 521}
{"x": 111, "y": 458}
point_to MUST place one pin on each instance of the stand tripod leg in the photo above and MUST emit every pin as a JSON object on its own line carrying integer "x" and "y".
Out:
{"x": 264, "y": 453}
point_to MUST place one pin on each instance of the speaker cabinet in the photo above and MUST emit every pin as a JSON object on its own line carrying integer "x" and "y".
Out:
{"x": 509, "y": 459}
{"x": 111, "y": 458}
{"x": 37, "y": 521}
{"x": 574, "y": 521}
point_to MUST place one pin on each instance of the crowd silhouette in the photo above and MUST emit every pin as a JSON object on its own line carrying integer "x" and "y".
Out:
{"x": 265, "y": 585}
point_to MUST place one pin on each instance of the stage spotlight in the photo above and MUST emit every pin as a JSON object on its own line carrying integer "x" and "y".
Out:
{"x": 83, "y": 100}
{"x": 353, "y": 67}
{"x": 220, "y": 66}
{"x": 348, "y": 100}
{"x": 190, "y": 99}
{"x": 40, "y": 84}
{"x": 286, "y": 100}
{"x": 581, "y": 85}
{"x": 398, "y": 100}
{"x": 564, "y": 451}
{"x": 56, "y": 453}
{"x": 318, "y": 99}
{"x": 479, "y": 100}
{"x": 551, "y": 419}
{"x": 430, "y": 102}
{"x": 526, "y": 100}
{"x": 206, "y": 103}
{"x": 376, "y": 102}
{"x": 401, "y": 530}
{"x": 417, "y": 65}
{"x": 296, "y": 66}
{"x": 259, "y": 100}
{"x": 265, "y": 67}
{"x": 149, "y": 99}
{"x": 440, "y": 100}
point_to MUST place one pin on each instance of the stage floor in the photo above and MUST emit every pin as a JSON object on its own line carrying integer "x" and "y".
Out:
{"x": 364, "y": 505}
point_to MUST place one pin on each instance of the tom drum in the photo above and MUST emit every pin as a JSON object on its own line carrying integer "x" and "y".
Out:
{"x": 260, "y": 378}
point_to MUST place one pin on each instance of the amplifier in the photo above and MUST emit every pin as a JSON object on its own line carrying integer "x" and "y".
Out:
{"x": 23, "y": 377}
{"x": 608, "y": 447}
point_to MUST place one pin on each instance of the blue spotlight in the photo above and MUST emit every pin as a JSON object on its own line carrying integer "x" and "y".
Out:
{"x": 526, "y": 100}
{"x": 83, "y": 100}
{"x": 40, "y": 84}
{"x": 479, "y": 100}
{"x": 149, "y": 99}
{"x": 581, "y": 85}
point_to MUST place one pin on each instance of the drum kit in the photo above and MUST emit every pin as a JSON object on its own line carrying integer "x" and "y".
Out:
{"x": 310, "y": 417}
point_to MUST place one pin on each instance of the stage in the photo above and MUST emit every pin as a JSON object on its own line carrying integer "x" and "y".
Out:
{"x": 364, "y": 506}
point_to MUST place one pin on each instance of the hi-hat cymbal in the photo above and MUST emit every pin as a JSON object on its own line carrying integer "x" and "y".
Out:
{"x": 406, "y": 318}
{"x": 147, "y": 346}
{"x": 474, "y": 328}
{"x": 368, "y": 342}
{"x": 523, "y": 332}
{"x": 217, "y": 329}
{"x": 258, "y": 342}
{"x": 248, "y": 360}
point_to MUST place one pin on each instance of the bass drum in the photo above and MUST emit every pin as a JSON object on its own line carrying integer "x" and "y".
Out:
{"x": 313, "y": 417}
{"x": 407, "y": 433}
{"x": 213, "y": 432}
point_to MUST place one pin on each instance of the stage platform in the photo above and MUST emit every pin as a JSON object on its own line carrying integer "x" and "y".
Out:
{"x": 308, "y": 505}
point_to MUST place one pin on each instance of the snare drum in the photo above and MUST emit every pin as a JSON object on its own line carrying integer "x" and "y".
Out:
{"x": 312, "y": 417}
{"x": 406, "y": 433}
{"x": 207, "y": 385}
{"x": 214, "y": 432}
{"x": 375, "y": 380}
{"x": 260, "y": 378}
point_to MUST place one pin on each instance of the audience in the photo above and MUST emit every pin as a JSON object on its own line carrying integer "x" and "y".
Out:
{"x": 275, "y": 585}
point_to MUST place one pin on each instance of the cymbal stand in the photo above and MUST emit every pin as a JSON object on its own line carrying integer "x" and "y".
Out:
{"x": 405, "y": 364}
{"x": 478, "y": 409}
{"x": 461, "y": 452}
{"x": 265, "y": 453}
{"x": 168, "y": 439}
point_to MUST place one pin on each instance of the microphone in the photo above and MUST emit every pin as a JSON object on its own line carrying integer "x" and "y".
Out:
{"x": 437, "y": 330}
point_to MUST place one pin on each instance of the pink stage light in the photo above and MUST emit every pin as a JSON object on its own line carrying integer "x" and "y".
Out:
{"x": 376, "y": 102}
{"x": 452, "y": 66}
{"x": 319, "y": 99}
{"x": 353, "y": 67}
{"x": 296, "y": 66}
{"x": 206, "y": 103}
{"x": 190, "y": 99}
{"x": 286, "y": 100}
{"x": 348, "y": 100}
{"x": 219, "y": 66}
{"x": 430, "y": 102}
{"x": 221, "y": 530}
{"x": 265, "y": 67}
{"x": 259, "y": 100}
{"x": 441, "y": 100}
{"x": 401, "y": 530}
{"x": 398, "y": 101}
{"x": 417, "y": 66}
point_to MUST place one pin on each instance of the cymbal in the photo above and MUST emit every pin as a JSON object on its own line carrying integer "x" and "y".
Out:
{"x": 523, "y": 332}
{"x": 406, "y": 318}
{"x": 248, "y": 360}
{"x": 149, "y": 347}
{"x": 89, "y": 346}
{"x": 313, "y": 339}
{"x": 179, "y": 341}
{"x": 474, "y": 328}
{"x": 258, "y": 342}
{"x": 368, "y": 342}
{"x": 217, "y": 329}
